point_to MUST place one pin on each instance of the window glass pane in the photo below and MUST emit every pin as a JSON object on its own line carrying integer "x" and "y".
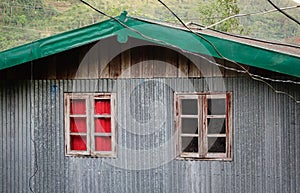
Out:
{"x": 78, "y": 124}
{"x": 189, "y": 144}
{"x": 216, "y": 144}
{"x": 102, "y": 125}
{"x": 78, "y": 143}
{"x": 189, "y": 106}
{"x": 216, "y": 106}
{"x": 77, "y": 106}
{"x": 102, "y": 106}
{"x": 189, "y": 125}
{"x": 103, "y": 143}
{"x": 216, "y": 126}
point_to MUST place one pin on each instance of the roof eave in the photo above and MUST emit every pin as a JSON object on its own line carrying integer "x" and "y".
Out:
{"x": 233, "y": 49}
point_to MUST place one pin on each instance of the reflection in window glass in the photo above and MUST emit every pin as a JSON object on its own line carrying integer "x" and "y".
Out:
{"x": 77, "y": 107}
{"x": 216, "y": 106}
{"x": 189, "y": 107}
{"x": 190, "y": 144}
{"x": 103, "y": 143}
{"x": 216, "y": 126}
{"x": 190, "y": 125}
{"x": 216, "y": 144}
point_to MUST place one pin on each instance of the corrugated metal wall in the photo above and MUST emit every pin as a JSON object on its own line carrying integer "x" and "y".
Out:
{"x": 266, "y": 139}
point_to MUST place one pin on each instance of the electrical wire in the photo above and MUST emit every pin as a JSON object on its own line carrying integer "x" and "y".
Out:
{"x": 35, "y": 166}
{"x": 256, "y": 77}
{"x": 285, "y": 81}
{"x": 284, "y": 13}
{"x": 211, "y": 44}
{"x": 201, "y": 27}
{"x": 250, "y": 14}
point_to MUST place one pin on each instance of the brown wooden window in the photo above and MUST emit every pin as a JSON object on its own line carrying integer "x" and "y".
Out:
{"x": 203, "y": 125}
{"x": 90, "y": 124}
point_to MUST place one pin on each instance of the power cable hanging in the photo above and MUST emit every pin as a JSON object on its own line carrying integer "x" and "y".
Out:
{"x": 253, "y": 76}
{"x": 250, "y": 14}
{"x": 258, "y": 78}
{"x": 244, "y": 37}
{"x": 217, "y": 51}
{"x": 284, "y": 13}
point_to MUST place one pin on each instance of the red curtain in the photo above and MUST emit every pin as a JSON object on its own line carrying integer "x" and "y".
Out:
{"x": 77, "y": 107}
{"x": 78, "y": 124}
{"x": 102, "y": 107}
{"x": 78, "y": 143}
{"x": 102, "y": 125}
{"x": 103, "y": 143}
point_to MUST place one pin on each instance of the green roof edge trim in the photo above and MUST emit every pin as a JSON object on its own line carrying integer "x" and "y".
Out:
{"x": 157, "y": 33}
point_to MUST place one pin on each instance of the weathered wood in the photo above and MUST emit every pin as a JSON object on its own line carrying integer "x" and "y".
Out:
{"x": 93, "y": 62}
{"x": 135, "y": 67}
{"x": 159, "y": 63}
{"x": 171, "y": 62}
{"x": 115, "y": 67}
{"x": 106, "y": 59}
{"x": 183, "y": 66}
{"x": 103, "y": 63}
{"x": 125, "y": 64}
{"x": 146, "y": 68}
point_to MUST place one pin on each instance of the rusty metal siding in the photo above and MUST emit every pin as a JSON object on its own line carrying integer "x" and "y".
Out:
{"x": 266, "y": 139}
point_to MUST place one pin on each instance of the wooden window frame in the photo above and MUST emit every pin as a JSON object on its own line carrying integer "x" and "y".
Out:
{"x": 202, "y": 116}
{"x": 90, "y": 124}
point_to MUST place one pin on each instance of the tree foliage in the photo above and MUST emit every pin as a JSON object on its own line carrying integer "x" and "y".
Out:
{"x": 23, "y": 21}
{"x": 216, "y": 10}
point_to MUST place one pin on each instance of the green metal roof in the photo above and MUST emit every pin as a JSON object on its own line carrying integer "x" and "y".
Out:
{"x": 248, "y": 53}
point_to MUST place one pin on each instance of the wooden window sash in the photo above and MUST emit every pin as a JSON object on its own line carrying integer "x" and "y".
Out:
{"x": 90, "y": 124}
{"x": 189, "y": 135}
{"x": 178, "y": 116}
{"x": 216, "y": 135}
{"x": 202, "y": 126}
{"x": 229, "y": 132}
{"x": 204, "y": 139}
{"x": 215, "y": 155}
{"x": 210, "y": 154}
{"x": 68, "y": 133}
{"x": 112, "y": 133}
{"x": 177, "y": 132}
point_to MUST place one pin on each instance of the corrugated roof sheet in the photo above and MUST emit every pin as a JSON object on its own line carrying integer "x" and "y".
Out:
{"x": 277, "y": 58}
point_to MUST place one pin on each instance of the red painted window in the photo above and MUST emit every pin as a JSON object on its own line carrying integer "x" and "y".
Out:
{"x": 89, "y": 124}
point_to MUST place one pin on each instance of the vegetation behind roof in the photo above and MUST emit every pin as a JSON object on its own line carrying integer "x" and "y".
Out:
{"x": 249, "y": 52}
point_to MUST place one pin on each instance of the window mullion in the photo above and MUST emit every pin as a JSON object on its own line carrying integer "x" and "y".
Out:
{"x": 228, "y": 126}
{"x": 200, "y": 132}
{"x": 203, "y": 109}
{"x": 67, "y": 124}
{"x": 178, "y": 125}
{"x": 113, "y": 123}
{"x": 91, "y": 124}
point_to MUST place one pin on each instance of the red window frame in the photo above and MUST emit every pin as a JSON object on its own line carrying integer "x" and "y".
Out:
{"x": 90, "y": 128}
